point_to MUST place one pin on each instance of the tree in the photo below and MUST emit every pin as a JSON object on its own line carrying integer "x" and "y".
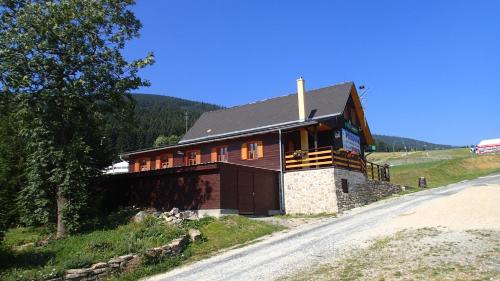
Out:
{"x": 62, "y": 70}
{"x": 163, "y": 140}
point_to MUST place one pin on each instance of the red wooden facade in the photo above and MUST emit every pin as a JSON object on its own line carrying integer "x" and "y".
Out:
{"x": 237, "y": 153}
{"x": 213, "y": 186}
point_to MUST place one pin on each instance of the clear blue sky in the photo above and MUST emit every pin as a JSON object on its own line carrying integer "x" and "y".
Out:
{"x": 432, "y": 67}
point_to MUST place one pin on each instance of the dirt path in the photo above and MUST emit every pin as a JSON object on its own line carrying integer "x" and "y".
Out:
{"x": 455, "y": 237}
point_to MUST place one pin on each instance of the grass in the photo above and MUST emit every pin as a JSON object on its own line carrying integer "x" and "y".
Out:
{"x": 218, "y": 234}
{"x": 439, "y": 167}
{"x": 39, "y": 262}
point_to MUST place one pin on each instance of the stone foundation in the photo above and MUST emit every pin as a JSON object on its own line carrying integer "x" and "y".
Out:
{"x": 360, "y": 191}
{"x": 310, "y": 192}
{"x": 320, "y": 191}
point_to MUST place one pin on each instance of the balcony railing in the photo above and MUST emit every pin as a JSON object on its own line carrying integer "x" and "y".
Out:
{"x": 328, "y": 157}
{"x": 322, "y": 157}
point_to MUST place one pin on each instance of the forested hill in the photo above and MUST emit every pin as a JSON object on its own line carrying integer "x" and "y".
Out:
{"x": 392, "y": 143}
{"x": 163, "y": 115}
{"x": 159, "y": 115}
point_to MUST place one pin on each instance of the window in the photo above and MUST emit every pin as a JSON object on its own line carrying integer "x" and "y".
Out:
{"x": 345, "y": 186}
{"x": 193, "y": 157}
{"x": 164, "y": 162}
{"x": 222, "y": 154}
{"x": 144, "y": 165}
{"x": 252, "y": 150}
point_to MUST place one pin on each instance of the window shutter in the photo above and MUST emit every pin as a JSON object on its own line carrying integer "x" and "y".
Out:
{"x": 158, "y": 162}
{"x": 260, "y": 149}
{"x": 213, "y": 155}
{"x": 137, "y": 168}
{"x": 198, "y": 157}
{"x": 244, "y": 152}
{"x": 170, "y": 158}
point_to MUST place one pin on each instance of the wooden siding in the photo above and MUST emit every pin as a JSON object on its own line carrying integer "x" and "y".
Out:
{"x": 207, "y": 186}
{"x": 269, "y": 159}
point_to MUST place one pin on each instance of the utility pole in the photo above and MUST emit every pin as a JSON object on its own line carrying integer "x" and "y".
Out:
{"x": 186, "y": 120}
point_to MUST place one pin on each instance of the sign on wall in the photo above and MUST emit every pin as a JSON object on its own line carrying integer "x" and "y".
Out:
{"x": 351, "y": 141}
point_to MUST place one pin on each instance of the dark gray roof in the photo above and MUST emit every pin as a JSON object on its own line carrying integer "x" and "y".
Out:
{"x": 278, "y": 111}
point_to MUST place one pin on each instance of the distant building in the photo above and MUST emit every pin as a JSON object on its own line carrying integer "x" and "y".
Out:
{"x": 488, "y": 146}
{"x": 117, "y": 168}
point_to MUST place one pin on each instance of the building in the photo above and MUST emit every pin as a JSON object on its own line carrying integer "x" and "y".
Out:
{"x": 488, "y": 146}
{"x": 300, "y": 153}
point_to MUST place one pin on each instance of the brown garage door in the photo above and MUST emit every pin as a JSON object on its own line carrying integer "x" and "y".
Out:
{"x": 257, "y": 192}
{"x": 245, "y": 192}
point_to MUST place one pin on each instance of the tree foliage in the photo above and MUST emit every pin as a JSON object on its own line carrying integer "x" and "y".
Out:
{"x": 163, "y": 140}
{"x": 157, "y": 115}
{"x": 62, "y": 72}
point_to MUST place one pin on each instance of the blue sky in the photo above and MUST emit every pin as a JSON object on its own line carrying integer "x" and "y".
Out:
{"x": 431, "y": 67}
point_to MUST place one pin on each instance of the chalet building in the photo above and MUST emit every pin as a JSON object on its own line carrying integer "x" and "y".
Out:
{"x": 300, "y": 153}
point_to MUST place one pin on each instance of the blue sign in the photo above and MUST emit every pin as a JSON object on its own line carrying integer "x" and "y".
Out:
{"x": 351, "y": 141}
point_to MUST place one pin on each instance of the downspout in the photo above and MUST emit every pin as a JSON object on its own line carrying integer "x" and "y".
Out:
{"x": 281, "y": 181}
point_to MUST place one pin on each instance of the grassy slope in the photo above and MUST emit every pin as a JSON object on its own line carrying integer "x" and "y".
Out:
{"x": 458, "y": 165}
{"x": 81, "y": 250}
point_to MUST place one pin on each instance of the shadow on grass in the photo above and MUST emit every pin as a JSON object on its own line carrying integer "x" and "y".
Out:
{"x": 24, "y": 259}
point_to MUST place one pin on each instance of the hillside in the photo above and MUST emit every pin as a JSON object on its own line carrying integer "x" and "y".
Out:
{"x": 163, "y": 115}
{"x": 392, "y": 143}
{"x": 156, "y": 115}
{"x": 440, "y": 167}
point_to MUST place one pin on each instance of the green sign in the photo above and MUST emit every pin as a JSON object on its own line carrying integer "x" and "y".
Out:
{"x": 351, "y": 127}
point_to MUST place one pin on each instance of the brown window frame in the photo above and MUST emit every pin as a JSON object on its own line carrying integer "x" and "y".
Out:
{"x": 220, "y": 157}
{"x": 190, "y": 161}
{"x": 252, "y": 154}
{"x": 143, "y": 165}
{"x": 164, "y": 161}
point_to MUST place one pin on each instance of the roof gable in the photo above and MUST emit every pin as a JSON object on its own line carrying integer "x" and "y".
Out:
{"x": 323, "y": 102}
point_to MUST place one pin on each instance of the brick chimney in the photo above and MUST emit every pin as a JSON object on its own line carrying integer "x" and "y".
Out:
{"x": 301, "y": 98}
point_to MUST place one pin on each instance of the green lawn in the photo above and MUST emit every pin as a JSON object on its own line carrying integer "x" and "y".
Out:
{"x": 38, "y": 262}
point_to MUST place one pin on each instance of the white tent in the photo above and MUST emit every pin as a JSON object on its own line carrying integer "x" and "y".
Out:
{"x": 488, "y": 146}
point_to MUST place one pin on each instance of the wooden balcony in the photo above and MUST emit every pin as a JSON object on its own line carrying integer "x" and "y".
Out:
{"x": 322, "y": 157}
{"x": 327, "y": 157}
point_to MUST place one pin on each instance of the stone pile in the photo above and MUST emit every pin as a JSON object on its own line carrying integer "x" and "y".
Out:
{"x": 174, "y": 216}
{"x": 177, "y": 216}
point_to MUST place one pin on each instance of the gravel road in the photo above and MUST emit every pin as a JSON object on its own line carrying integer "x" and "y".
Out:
{"x": 298, "y": 249}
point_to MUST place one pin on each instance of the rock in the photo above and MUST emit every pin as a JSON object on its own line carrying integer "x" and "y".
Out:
{"x": 403, "y": 188}
{"x": 179, "y": 215}
{"x": 99, "y": 265}
{"x": 77, "y": 273}
{"x": 139, "y": 217}
{"x": 190, "y": 215}
{"x": 101, "y": 270}
{"x": 194, "y": 234}
{"x": 177, "y": 221}
{"x": 132, "y": 264}
{"x": 126, "y": 257}
{"x": 174, "y": 211}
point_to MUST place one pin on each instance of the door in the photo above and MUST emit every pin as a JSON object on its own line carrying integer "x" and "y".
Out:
{"x": 245, "y": 192}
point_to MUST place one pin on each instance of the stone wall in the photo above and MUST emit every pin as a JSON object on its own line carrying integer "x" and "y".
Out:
{"x": 320, "y": 191}
{"x": 310, "y": 191}
{"x": 360, "y": 190}
{"x": 102, "y": 270}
